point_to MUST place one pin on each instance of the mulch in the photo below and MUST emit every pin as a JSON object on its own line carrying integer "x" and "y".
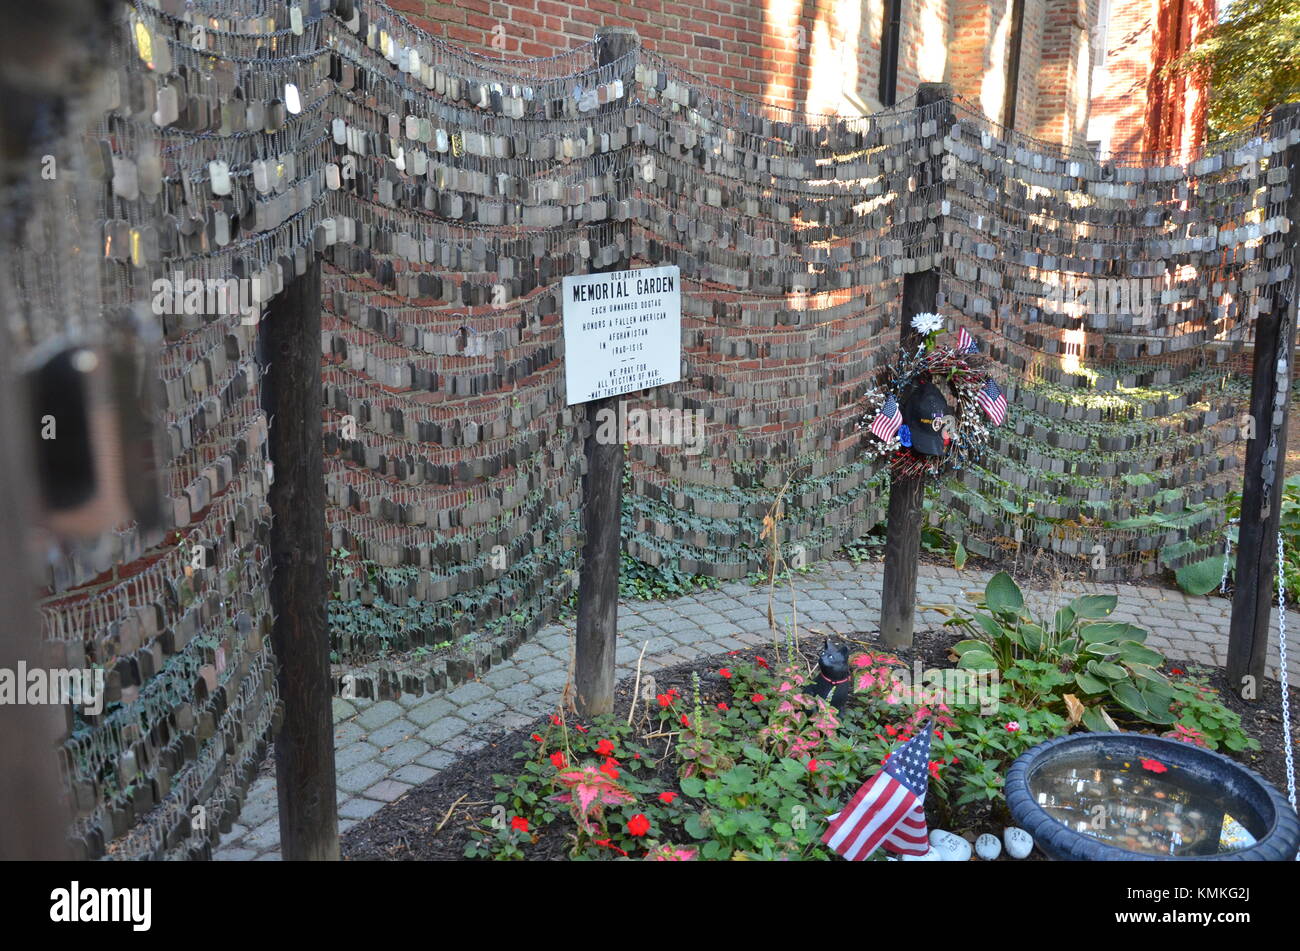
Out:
{"x": 434, "y": 820}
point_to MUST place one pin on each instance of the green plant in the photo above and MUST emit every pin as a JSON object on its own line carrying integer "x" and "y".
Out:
{"x": 1078, "y": 664}
{"x": 1204, "y": 576}
{"x": 1202, "y": 717}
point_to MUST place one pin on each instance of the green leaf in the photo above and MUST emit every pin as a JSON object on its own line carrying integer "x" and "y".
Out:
{"x": 692, "y": 786}
{"x": 1107, "y": 671}
{"x": 1132, "y": 652}
{"x": 1095, "y": 720}
{"x": 1201, "y": 577}
{"x": 970, "y": 644}
{"x": 959, "y": 557}
{"x": 1157, "y": 710}
{"x": 1064, "y": 621}
{"x": 1130, "y": 697}
{"x": 991, "y": 626}
{"x": 977, "y": 660}
{"x": 1091, "y": 606}
{"x": 1002, "y": 594}
{"x": 1032, "y": 637}
{"x": 1088, "y": 683}
{"x": 1106, "y": 631}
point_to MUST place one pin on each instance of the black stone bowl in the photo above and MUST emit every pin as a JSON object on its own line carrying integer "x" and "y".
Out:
{"x": 1279, "y": 843}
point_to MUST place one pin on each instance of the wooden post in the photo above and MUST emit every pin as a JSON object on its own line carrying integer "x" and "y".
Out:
{"x": 907, "y": 496}
{"x": 602, "y": 495}
{"x": 291, "y": 395}
{"x": 1252, "y": 602}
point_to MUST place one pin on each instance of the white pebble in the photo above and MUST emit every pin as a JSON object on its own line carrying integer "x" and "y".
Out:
{"x": 1019, "y": 843}
{"x": 951, "y": 848}
{"x": 988, "y": 847}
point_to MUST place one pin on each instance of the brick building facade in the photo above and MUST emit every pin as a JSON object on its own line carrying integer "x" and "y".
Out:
{"x": 1025, "y": 63}
{"x": 1136, "y": 107}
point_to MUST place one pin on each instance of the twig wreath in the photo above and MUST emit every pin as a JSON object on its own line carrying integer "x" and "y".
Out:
{"x": 931, "y": 411}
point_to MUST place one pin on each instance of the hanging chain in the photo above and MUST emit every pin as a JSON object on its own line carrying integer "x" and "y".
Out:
{"x": 1284, "y": 678}
{"x": 1227, "y": 554}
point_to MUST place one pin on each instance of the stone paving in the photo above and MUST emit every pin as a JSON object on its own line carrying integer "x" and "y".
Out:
{"x": 385, "y": 748}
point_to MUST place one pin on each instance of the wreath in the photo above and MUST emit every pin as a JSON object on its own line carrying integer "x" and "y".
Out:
{"x": 931, "y": 411}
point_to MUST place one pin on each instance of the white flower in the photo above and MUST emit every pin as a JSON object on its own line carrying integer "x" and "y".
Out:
{"x": 927, "y": 323}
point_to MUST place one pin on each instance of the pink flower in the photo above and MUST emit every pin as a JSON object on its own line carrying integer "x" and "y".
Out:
{"x": 1013, "y": 726}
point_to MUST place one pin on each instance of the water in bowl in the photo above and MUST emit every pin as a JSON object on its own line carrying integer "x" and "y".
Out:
{"x": 1142, "y": 805}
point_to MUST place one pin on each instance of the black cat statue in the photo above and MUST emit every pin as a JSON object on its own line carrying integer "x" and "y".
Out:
{"x": 832, "y": 681}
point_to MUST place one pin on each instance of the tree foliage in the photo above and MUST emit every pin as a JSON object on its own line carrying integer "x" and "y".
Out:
{"x": 1252, "y": 59}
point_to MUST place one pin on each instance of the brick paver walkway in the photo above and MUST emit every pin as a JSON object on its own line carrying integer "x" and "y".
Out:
{"x": 384, "y": 748}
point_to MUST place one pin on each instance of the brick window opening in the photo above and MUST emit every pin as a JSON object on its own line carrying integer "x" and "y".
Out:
{"x": 1014, "y": 42}
{"x": 891, "y": 27}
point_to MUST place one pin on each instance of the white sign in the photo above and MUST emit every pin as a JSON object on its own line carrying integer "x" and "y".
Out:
{"x": 622, "y": 332}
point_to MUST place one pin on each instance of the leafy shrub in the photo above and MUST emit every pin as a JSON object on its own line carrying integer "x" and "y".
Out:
{"x": 1085, "y": 668}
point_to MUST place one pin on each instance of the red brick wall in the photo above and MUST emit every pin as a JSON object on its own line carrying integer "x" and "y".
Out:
{"x": 1135, "y": 107}
{"x": 790, "y": 53}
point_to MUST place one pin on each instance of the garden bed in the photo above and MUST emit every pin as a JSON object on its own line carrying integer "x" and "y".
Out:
{"x": 438, "y": 819}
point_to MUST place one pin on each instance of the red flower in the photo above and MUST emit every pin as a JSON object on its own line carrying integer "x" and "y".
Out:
{"x": 760, "y": 661}
{"x": 725, "y": 672}
{"x": 934, "y": 770}
{"x": 519, "y": 823}
{"x": 609, "y": 768}
{"x": 758, "y": 698}
{"x": 1176, "y": 671}
{"x": 812, "y": 766}
{"x": 685, "y": 720}
{"x": 1154, "y": 765}
{"x": 580, "y": 728}
{"x": 605, "y": 747}
{"x": 891, "y": 731}
{"x": 537, "y": 738}
{"x": 555, "y": 719}
{"x": 638, "y": 825}
{"x": 1013, "y": 726}
{"x": 667, "y": 797}
{"x": 723, "y": 707}
{"x": 609, "y": 844}
{"x": 665, "y": 699}
{"x": 558, "y": 760}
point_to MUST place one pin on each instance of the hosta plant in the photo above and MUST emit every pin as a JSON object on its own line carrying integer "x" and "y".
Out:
{"x": 1109, "y": 673}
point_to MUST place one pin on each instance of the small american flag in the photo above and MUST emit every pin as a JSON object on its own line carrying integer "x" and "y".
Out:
{"x": 993, "y": 401}
{"x": 887, "y": 420}
{"x": 965, "y": 342}
{"x": 889, "y": 809}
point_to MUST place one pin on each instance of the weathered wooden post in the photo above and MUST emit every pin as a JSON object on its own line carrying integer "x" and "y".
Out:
{"x": 597, "y": 634}
{"x": 1270, "y": 398}
{"x": 907, "y": 496}
{"x": 291, "y": 396}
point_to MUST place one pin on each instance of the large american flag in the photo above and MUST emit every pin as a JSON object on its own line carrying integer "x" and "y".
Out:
{"x": 887, "y": 420}
{"x": 965, "y": 342}
{"x": 993, "y": 401}
{"x": 889, "y": 809}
